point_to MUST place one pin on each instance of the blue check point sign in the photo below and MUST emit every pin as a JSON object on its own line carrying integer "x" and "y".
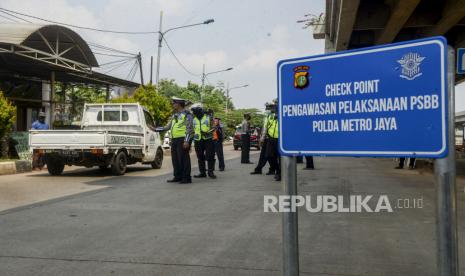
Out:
{"x": 380, "y": 101}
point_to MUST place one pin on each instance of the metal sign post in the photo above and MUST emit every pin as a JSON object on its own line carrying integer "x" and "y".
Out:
{"x": 393, "y": 100}
{"x": 446, "y": 219}
{"x": 290, "y": 265}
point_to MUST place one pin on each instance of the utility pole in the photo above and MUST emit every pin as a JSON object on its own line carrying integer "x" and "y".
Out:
{"x": 139, "y": 58}
{"x": 227, "y": 96}
{"x": 203, "y": 83}
{"x": 204, "y": 76}
{"x": 162, "y": 34}
{"x": 151, "y": 69}
{"x": 160, "y": 41}
{"x": 228, "y": 89}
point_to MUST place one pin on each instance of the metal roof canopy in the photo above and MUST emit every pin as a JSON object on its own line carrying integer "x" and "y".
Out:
{"x": 33, "y": 50}
{"x": 352, "y": 24}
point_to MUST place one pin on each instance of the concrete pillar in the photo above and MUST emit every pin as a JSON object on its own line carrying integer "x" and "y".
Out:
{"x": 46, "y": 100}
{"x": 52, "y": 96}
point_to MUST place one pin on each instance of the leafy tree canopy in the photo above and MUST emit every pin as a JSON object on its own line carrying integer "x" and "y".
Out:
{"x": 157, "y": 100}
{"x": 158, "y": 105}
{"x": 7, "y": 115}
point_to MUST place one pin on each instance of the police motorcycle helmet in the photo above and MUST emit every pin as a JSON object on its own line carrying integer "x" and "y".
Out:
{"x": 272, "y": 107}
{"x": 197, "y": 110}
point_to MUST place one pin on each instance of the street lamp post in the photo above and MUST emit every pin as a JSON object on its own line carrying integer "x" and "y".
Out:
{"x": 161, "y": 35}
{"x": 204, "y": 76}
{"x": 227, "y": 93}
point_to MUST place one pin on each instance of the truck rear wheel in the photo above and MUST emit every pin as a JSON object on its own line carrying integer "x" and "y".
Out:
{"x": 55, "y": 165}
{"x": 158, "y": 162}
{"x": 119, "y": 164}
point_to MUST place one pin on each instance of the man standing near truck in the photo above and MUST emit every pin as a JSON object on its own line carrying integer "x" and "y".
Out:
{"x": 203, "y": 141}
{"x": 182, "y": 133}
{"x": 40, "y": 124}
{"x": 264, "y": 144}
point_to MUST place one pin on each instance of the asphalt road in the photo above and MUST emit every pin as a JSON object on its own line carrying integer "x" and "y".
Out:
{"x": 142, "y": 225}
{"x": 28, "y": 188}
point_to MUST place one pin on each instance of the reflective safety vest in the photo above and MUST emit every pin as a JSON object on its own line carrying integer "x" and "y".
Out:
{"x": 178, "y": 126}
{"x": 202, "y": 128}
{"x": 272, "y": 127}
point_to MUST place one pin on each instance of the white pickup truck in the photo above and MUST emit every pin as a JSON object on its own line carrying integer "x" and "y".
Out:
{"x": 114, "y": 135}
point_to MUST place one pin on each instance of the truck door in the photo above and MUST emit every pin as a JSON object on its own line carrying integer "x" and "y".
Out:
{"x": 152, "y": 138}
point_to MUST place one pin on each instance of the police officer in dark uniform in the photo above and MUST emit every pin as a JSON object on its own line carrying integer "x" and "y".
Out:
{"x": 182, "y": 133}
{"x": 264, "y": 145}
{"x": 218, "y": 137}
{"x": 245, "y": 139}
{"x": 272, "y": 152}
{"x": 203, "y": 141}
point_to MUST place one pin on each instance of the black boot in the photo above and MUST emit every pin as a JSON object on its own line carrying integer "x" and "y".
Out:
{"x": 200, "y": 175}
{"x": 256, "y": 172}
{"x": 211, "y": 175}
{"x": 174, "y": 180}
{"x": 185, "y": 181}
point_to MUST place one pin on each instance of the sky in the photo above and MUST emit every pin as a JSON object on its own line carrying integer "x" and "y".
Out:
{"x": 249, "y": 35}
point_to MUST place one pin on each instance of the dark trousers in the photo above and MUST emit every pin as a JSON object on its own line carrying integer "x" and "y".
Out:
{"x": 180, "y": 159}
{"x": 262, "y": 160}
{"x": 219, "y": 153}
{"x": 205, "y": 150}
{"x": 308, "y": 160}
{"x": 245, "y": 147}
{"x": 272, "y": 154}
{"x": 402, "y": 161}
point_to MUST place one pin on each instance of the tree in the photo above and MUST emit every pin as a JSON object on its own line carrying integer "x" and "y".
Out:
{"x": 7, "y": 119}
{"x": 169, "y": 88}
{"x": 213, "y": 97}
{"x": 124, "y": 99}
{"x": 234, "y": 118}
{"x": 158, "y": 105}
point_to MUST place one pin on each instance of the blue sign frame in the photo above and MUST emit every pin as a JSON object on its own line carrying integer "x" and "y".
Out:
{"x": 316, "y": 116}
{"x": 461, "y": 61}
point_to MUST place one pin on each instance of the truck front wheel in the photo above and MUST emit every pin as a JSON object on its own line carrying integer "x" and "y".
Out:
{"x": 55, "y": 165}
{"x": 119, "y": 164}
{"x": 156, "y": 164}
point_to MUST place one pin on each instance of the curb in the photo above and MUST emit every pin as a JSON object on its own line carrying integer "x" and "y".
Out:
{"x": 13, "y": 167}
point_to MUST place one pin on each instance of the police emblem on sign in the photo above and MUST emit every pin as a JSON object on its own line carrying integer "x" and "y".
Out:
{"x": 410, "y": 66}
{"x": 301, "y": 77}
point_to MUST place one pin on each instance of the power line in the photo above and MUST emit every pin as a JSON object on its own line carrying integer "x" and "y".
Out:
{"x": 10, "y": 19}
{"x": 133, "y": 71}
{"x": 76, "y": 26}
{"x": 115, "y": 62}
{"x": 106, "y": 48}
{"x": 178, "y": 61}
{"x": 12, "y": 15}
{"x": 110, "y": 55}
{"x": 117, "y": 66}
